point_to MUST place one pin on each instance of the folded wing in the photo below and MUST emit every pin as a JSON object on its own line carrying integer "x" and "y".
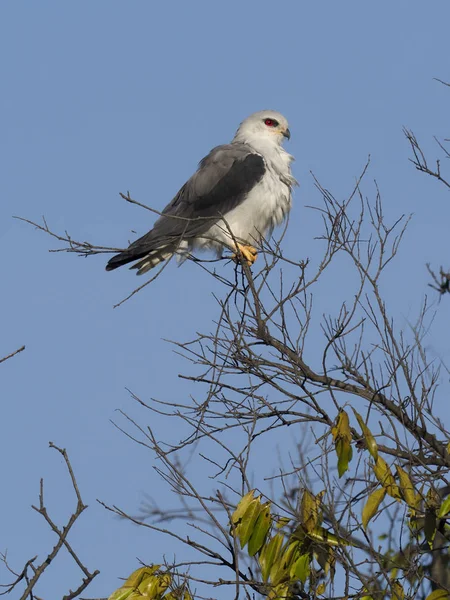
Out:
{"x": 222, "y": 182}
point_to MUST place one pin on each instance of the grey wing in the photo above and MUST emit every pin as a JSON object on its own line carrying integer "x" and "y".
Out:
{"x": 221, "y": 183}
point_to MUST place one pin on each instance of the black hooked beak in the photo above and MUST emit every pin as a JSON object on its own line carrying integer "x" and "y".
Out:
{"x": 287, "y": 134}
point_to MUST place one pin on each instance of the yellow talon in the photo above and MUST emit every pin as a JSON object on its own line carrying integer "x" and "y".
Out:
{"x": 249, "y": 253}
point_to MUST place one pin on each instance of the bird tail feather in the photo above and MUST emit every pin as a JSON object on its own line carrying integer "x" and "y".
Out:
{"x": 152, "y": 259}
{"x": 149, "y": 258}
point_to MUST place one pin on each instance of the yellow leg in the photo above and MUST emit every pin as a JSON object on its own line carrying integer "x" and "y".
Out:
{"x": 248, "y": 253}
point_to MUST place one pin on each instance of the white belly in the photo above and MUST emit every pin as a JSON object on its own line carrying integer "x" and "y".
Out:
{"x": 266, "y": 205}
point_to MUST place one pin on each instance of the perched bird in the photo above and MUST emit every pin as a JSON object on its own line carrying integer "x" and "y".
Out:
{"x": 239, "y": 193}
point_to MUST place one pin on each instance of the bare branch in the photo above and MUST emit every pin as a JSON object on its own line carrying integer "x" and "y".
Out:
{"x": 21, "y": 349}
{"x": 32, "y": 579}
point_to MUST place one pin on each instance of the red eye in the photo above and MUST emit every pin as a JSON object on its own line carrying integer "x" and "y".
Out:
{"x": 269, "y": 122}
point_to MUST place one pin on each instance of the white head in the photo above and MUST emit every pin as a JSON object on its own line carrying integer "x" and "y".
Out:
{"x": 266, "y": 127}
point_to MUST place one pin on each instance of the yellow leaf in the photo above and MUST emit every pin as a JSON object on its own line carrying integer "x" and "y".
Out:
{"x": 397, "y": 591}
{"x": 301, "y": 568}
{"x": 155, "y": 587}
{"x": 444, "y": 508}
{"x": 309, "y": 510}
{"x": 393, "y": 573}
{"x": 407, "y": 489}
{"x": 248, "y": 521}
{"x": 371, "y": 507}
{"x": 321, "y": 589}
{"x": 368, "y": 437}
{"x": 385, "y": 477}
{"x": 321, "y": 534}
{"x": 139, "y": 575}
{"x": 430, "y": 526}
{"x": 164, "y": 581}
{"x": 282, "y": 521}
{"x": 432, "y": 499}
{"x": 438, "y": 595}
{"x": 241, "y": 508}
{"x": 279, "y": 592}
{"x": 269, "y": 554}
{"x": 342, "y": 440}
{"x": 342, "y": 426}
{"x": 260, "y": 530}
{"x": 121, "y": 594}
{"x": 132, "y": 583}
{"x": 382, "y": 472}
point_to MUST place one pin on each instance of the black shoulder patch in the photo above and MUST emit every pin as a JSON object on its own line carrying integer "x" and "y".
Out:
{"x": 234, "y": 186}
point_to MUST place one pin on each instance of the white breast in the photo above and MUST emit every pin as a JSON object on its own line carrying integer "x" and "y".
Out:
{"x": 265, "y": 207}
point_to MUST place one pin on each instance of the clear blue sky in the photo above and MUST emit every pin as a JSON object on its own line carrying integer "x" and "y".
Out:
{"x": 105, "y": 96}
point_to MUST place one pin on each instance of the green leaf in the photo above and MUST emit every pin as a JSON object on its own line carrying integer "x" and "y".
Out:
{"x": 371, "y": 507}
{"x": 301, "y": 568}
{"x": 345, "y": 455}
{"x": 248, "y": 521}
{"x": 269, "y": 554}
{"x": 260, "y": 530}
{"x": 324, "y": 555}
{"x": 280, "y": 569}
{"x": 444, "y": 508}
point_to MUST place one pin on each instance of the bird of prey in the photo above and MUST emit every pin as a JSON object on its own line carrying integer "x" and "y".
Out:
{"x": 239, "y": 193}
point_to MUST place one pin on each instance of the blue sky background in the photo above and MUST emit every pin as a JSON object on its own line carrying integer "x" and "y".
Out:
{"x": 104, "y": 96}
